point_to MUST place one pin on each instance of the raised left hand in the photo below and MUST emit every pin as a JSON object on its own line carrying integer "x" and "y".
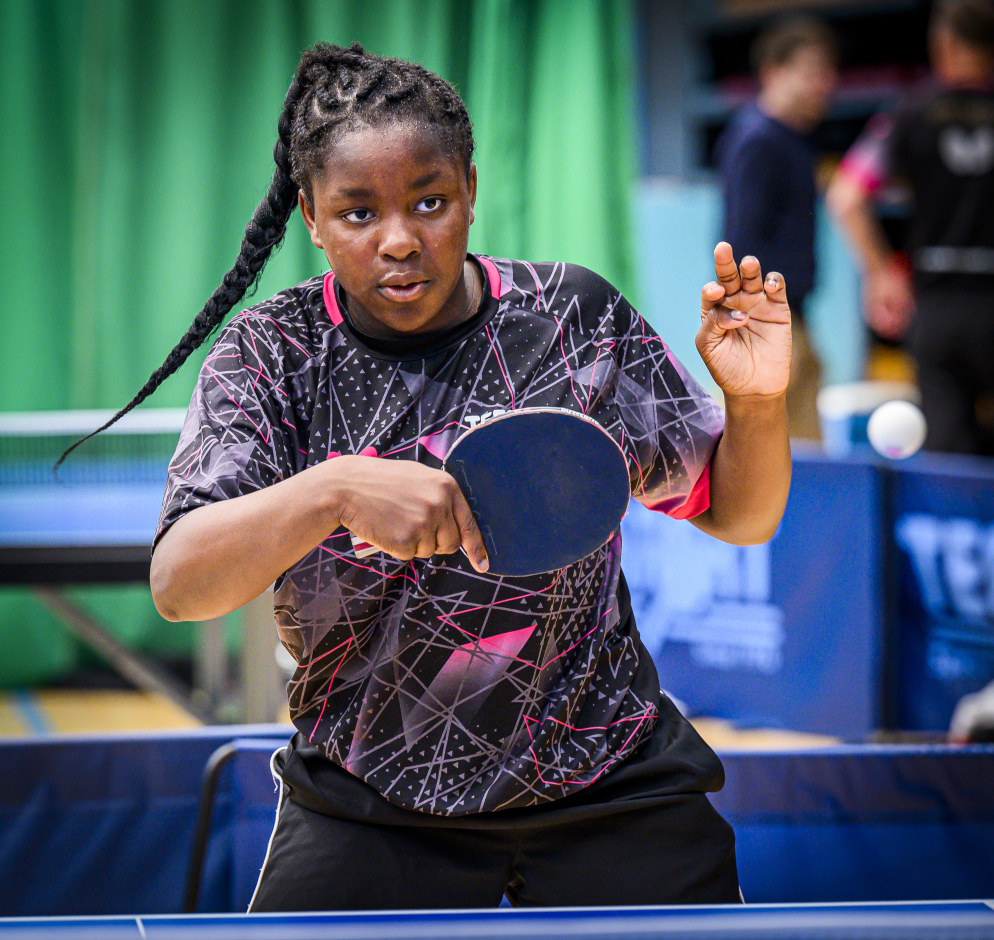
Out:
{"x": 744, "y": 337}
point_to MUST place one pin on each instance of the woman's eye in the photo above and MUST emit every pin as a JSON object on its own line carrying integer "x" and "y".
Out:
{"x": 430, "y": 204}
{"x": 357, "y": 215}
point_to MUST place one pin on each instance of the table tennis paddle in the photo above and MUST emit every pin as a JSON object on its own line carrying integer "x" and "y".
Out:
{"x": 547, "y": 487}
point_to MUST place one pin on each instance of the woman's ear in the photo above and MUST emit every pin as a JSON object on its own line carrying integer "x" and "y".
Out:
{"x": 308, "y": 215}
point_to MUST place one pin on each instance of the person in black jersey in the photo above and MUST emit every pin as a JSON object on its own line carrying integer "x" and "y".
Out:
{"x": 766, "y": 165}
{"x": 941, "y": 145}
{"x": 459, "y": 735}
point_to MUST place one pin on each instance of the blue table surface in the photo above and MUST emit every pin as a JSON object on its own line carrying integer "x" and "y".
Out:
{"x": 963, "y": 920}
{"x": 91, "y": 514}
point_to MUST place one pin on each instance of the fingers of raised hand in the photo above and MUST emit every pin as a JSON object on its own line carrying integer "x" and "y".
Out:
{"x": 751, "y": 274}
{"x": 775, "y": 287}
{"x": 715, "y": 315}
{"x": 725, "y": 269}
{"x": 712, "y": 294}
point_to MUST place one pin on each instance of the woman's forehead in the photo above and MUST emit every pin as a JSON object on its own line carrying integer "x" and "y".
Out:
{"x": 402, "y": 155}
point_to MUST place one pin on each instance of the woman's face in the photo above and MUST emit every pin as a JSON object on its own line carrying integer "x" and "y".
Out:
{"x": 392, "y": 213}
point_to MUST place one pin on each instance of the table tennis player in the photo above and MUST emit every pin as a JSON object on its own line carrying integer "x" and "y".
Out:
{"x": 460, "y": 735}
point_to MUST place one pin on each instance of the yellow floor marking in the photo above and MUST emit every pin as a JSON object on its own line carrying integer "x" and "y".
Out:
{"x": 724, "y": 736}
{"x": 73, "y": 711}
{"x": 11, "y": 725}
{"x": 70, "y": 711}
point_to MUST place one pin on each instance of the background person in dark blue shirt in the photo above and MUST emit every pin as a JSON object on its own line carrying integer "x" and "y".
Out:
{"x": 767, "y": 169}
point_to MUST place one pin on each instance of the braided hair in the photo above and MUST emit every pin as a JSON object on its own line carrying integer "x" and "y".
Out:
{"x": 333, "y": 91}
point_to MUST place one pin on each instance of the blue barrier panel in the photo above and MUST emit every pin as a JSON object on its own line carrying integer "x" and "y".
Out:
{"x": 862, "y": 823}
{"x": 254, "y": 795}
{"x": 943, "y": 629}
{"x": 786, "y": 634}
{"x": 836, "y": 824}
{"x": 104, "y": 824}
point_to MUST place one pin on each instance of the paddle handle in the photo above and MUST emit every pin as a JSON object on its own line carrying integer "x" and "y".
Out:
{"x": 362, "y": 548}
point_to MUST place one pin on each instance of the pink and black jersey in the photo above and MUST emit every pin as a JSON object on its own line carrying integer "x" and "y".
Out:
{"x": 941, "y": 145}
{"x": 450, "y": 691}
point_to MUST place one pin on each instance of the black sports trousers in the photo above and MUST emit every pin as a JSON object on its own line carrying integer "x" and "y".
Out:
{"x": 952, "y": 342}
{"x": 644, "y": 834}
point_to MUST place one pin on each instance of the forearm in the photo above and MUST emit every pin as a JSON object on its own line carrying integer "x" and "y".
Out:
{"x": 220, "y": 556}
{"x": 750, "y": 472}
{"x": 864, "y": 234}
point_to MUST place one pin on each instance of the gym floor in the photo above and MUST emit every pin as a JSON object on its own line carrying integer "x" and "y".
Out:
{"x": 84, "y": 711}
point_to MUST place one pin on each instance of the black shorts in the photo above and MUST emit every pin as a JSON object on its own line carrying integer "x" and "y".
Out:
{"x": 644, "y": 834}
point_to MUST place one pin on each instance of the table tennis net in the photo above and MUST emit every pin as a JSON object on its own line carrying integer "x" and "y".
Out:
{"x": 135, "y": 451}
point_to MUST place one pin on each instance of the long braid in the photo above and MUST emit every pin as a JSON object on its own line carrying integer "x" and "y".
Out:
{"x": 333, "y": 90}
{"x": 263, "y": 235}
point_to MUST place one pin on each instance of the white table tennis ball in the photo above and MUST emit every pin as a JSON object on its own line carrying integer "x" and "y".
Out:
{"x": 896, "y": 429}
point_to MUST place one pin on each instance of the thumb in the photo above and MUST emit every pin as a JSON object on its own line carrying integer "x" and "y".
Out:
{"x": 716, "y": 318}
{"x": 472, "y": 538}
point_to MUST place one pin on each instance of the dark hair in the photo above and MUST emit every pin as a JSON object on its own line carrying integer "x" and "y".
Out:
{"x": 333, "y": 91}
{"x": 969, "y": 21}
{"x": 780, "y": 41}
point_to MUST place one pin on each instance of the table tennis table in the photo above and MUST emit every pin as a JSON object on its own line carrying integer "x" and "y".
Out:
{"x": 93, "y": 523}
{"x": 962, "y": 920}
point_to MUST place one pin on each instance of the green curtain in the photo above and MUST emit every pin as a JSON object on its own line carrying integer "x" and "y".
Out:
{"x": 138, "y": 140}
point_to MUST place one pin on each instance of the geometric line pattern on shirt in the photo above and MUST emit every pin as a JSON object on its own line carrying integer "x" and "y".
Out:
{"x": 448, "y": 690}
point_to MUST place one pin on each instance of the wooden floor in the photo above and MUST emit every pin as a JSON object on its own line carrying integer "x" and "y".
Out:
{"x": 74, "y": 711}
{"x": 106, "y": 711}
{"x": 725, "y": 736}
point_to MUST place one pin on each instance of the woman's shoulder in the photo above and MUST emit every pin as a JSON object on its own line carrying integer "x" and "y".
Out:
{"x": 295, "y": 316}
{"x": 552, "y": 284}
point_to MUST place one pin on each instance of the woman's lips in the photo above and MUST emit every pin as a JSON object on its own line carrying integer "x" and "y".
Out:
{"x": 403, "y": 293}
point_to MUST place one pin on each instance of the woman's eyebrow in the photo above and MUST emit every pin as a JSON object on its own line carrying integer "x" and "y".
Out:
{"x": 353, "y": 192}
{"x": 426, "y": 179}
{"x": 360, "y": 192}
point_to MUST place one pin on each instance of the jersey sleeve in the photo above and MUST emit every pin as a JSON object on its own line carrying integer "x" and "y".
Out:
{"x": 671, "y": 426}
{"x": 239, "y": 434}
{"x": 878, "y": 154}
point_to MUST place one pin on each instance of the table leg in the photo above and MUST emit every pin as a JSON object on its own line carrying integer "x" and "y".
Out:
{"x": 262, "y": 689}
{"x": 210, "y": 664}
{"x": 137, "y": 669}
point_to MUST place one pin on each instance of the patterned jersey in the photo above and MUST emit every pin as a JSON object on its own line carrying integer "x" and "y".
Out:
{"x": 447, "y": 690}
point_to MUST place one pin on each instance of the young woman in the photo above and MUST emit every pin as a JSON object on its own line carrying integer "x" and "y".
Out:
{"x": 460, "y": 735}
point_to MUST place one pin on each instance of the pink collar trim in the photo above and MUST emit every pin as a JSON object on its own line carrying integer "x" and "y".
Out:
{"x": 493, "y": 276}
{"x": 330, "y": 301}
